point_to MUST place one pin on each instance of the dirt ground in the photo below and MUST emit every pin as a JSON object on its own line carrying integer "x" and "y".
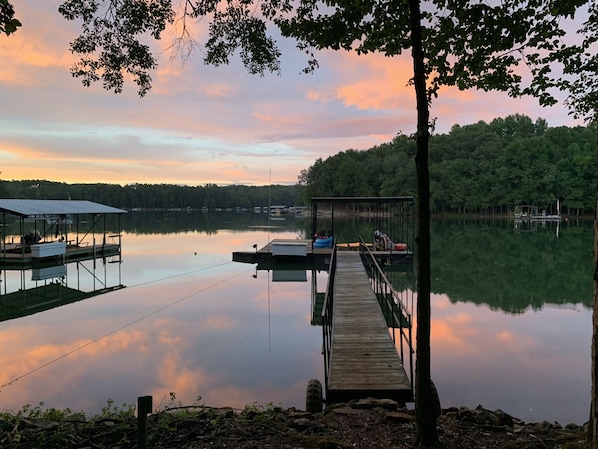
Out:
{"x": 363, "y": 424}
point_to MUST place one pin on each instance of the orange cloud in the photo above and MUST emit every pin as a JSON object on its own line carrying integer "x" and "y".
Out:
{"x": 41, "y": 355}
{"x": 219, "y": 90}
{"x": 444, "y": 335}
{"x": 182, "y": 381}
{"x": 506, "y": 337}
{"x": 218, "y": 322}
{"x": 320, "y": 96}
{"x": 440, "y": 301}
{"x": 34, "y": 47}
{"x": 377, "y": 82}
{"x": 270, "y": 114}
{"x": 167, "y": 339}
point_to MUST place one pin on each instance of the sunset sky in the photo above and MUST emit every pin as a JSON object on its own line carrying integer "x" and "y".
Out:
{"x": 202, "y": 124}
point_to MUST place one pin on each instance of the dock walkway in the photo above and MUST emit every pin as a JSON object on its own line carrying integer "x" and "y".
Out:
{"x": 363, "y": 359}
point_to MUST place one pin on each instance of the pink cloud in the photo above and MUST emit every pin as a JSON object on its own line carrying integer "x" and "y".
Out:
{"x": 204, "y": 124}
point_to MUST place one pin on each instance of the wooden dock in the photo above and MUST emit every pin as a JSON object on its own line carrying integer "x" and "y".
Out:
{"x": 315, "y": 258}
{"x": 18, "y": 260}
{"x": 363, "y": 359}
{"x": 309, "y": 244}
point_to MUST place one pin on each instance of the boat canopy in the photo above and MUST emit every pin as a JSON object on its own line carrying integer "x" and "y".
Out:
{"x": 45, "y": 208}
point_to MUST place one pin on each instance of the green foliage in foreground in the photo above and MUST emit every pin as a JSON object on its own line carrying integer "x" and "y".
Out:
{"x": 483, "y": 168}
{"x": 116, "y": 426}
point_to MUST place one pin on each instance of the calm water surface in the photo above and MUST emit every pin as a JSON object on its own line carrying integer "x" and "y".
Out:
{"x": 511, "y": 321}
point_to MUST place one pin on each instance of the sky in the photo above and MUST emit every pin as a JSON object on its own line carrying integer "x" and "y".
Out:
{"x": 201, "y": 124}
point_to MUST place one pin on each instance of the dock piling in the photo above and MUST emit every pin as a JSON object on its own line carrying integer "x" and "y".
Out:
{"x": 144, "y": 408}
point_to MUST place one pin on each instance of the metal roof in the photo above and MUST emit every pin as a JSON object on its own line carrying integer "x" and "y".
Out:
{"x": 362, "y": 199}
{"x": 42, "y": 208}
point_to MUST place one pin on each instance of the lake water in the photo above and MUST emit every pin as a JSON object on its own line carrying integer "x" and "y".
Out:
{"x": 511, "y": 320}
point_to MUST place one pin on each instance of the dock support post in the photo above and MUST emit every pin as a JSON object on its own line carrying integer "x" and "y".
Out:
{"x": 144, "y": 408}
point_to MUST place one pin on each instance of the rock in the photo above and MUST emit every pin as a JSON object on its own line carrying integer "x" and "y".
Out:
{"x": 340, "y": 426}
{"x": 465, "y": 414}
{"x": 224, "y": 412}
{"x": 295, "y": 414}
{"x": 504, "y": 419}
{"x": 77, "y": 417}
{"x": 365, "y": 404}
{"x": 301, "y": 423}
{"x": 347, "y": 411}
{"x": 547, "y": 425}
{"x": 400, "y": 417}
{"x": 46, "y": 425}
{"x": 485, "y": 417}
{"x": 387, "y": 404}
{"x": 25, "y": 423}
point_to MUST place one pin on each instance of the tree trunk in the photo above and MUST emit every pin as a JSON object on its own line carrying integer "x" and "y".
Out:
{"x": 426, "y": 410}
{"x": 593, "y": 423}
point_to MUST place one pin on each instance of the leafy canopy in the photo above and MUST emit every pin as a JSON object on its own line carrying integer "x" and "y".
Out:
{"x": 110, "y": 41}
{"x": 513, "y": 45}
{"x": 517, "y": 46}
{"x": 8, "y": 23}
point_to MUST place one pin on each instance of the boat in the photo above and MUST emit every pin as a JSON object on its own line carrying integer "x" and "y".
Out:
{"x": 323, "y": 242}
{"x": 527, "y": 212}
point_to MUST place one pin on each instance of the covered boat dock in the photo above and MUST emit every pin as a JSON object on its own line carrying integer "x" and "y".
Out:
{"x": 37, "y": 232}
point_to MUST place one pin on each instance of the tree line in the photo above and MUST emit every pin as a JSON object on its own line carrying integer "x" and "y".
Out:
{"x": 154, "y": 196}
{"x": 482, "y": 168}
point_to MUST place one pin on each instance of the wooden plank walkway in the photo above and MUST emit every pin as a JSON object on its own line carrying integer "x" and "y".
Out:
{"x": 363, "y": 360}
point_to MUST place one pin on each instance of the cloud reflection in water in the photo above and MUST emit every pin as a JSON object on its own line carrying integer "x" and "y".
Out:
{"x": 179, "y": 326}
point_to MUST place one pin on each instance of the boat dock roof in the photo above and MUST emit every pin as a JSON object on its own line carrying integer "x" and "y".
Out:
{"x": 44, "y": 208}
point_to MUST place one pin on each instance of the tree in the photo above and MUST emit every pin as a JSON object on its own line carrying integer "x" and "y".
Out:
{"x": 579, "y": 77}
{"x": 477, "y": 168}
{"x": 8, "y": 23}
{"x": 580, "y": 81}
{"x": 462, "y": 43}
{"x": 592, "y": 436}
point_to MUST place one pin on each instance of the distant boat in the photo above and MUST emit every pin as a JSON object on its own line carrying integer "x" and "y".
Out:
{"x": 278, "y": 210}
{"x": 527, "y": 212}
{"x": 59, "y": 220}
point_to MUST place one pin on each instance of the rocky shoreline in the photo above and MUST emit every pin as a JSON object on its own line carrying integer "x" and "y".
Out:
{"x": 366, "y": 424}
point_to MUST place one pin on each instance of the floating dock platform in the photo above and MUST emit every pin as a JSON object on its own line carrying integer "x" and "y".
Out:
{"x": 280, "y": 253}
{"x": 301, "y": 253}
{"x": 14, "y": 259}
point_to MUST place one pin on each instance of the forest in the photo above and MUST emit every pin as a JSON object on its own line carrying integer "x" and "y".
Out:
{"x": 482, "y": 168}
{"x": 154, "y": 196}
